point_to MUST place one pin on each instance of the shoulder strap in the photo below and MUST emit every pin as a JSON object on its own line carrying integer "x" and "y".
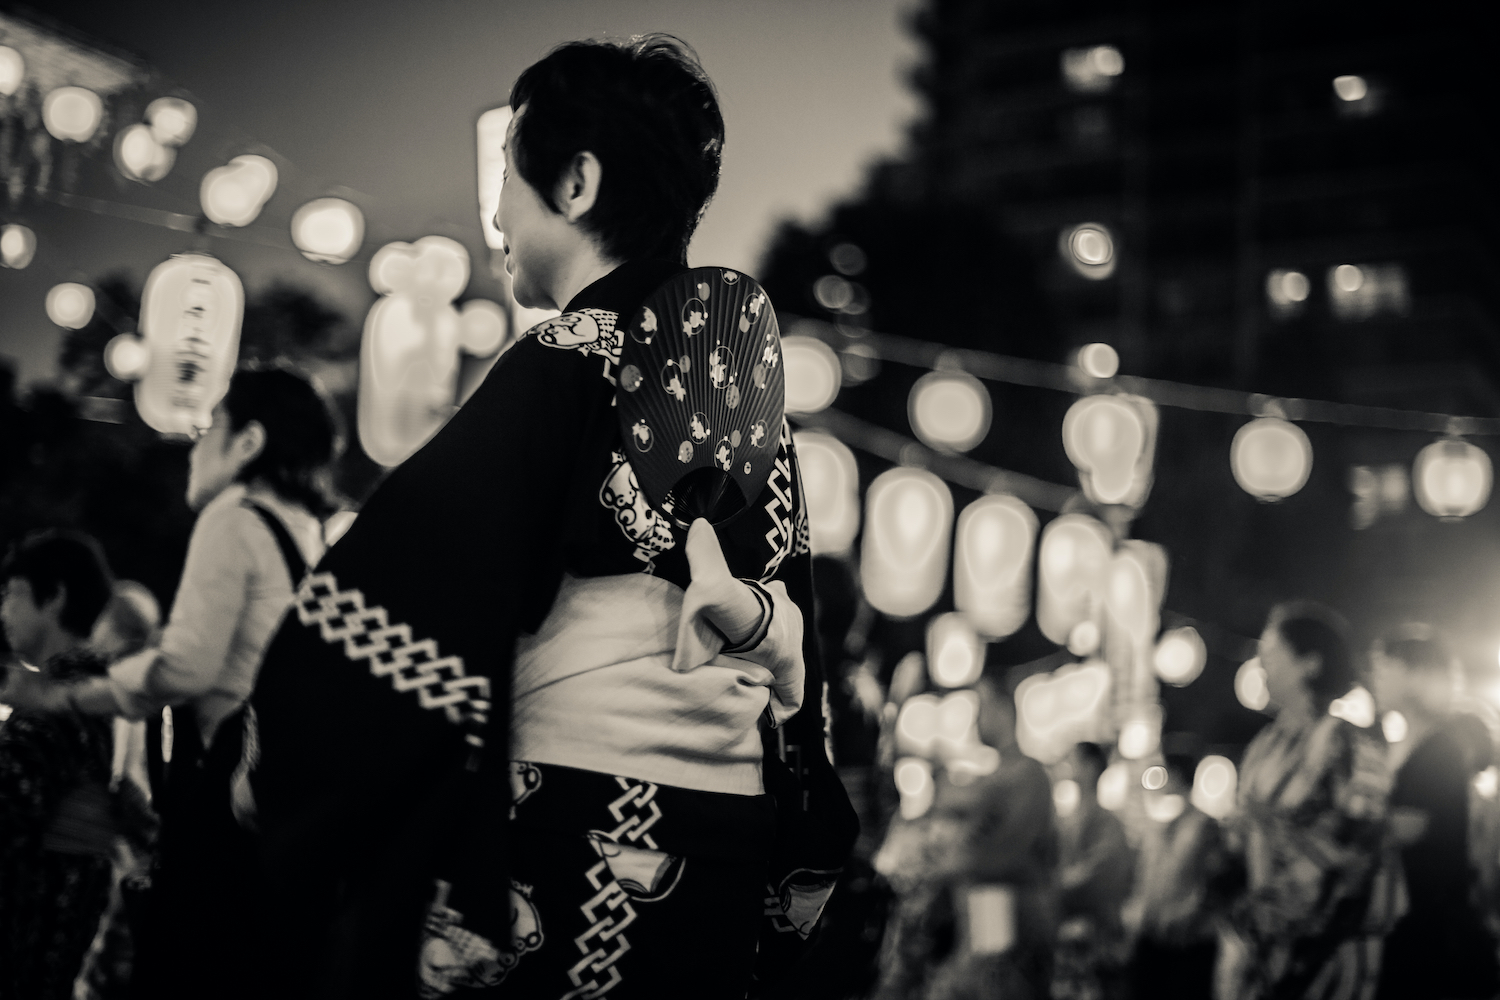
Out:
{"x": 296, "y": 566}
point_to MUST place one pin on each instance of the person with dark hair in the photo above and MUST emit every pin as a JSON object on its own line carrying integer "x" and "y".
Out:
{"x": 1095, "y": 871}
{"x": 255, "y": 478}
{"x": 1441, "y": 947}
{"x": 55, "y": 838}
{"x": 1178, "y": 904}
{"x": 546, "y": 773}
{"x": 1309, "y": 824}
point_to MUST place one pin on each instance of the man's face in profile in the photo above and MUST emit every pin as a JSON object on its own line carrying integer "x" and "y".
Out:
{"x": 534, "y": 236}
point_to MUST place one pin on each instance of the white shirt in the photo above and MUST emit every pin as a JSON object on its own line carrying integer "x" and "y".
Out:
{"x": 234, "y": 591}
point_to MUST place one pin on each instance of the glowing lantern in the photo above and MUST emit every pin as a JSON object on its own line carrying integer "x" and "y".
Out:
{"x": 17, "y": 246}
{"x": 483, "y": 328}
{"x": 1111, "y": 440}
{"x": 1394, "y": 727}
{"x": 1250, "y": 685}
{"x": 70, "y": 305}
{"x": 905, "y": 555}
{"x": 914, "y": 782}
{"x": 1089, "y": 249}
{"x": 1098, "y": 360}
{"x": 1066, "y": 797}
{"x": 1452, "y": 478}
{"x": 955, "y": 656}
{"x": 126, "y": 357}
{"x": 234, "y": 194}
{"x": 813, "y": 374}
{"x": 12, "y": 70}
{"x": 1085, "y": 637}
{"x": 172, "y": 120}
{"x": 1137, "y": 581}
{"x": 992, "y": 563}
{"x": 1356, "y": 707}
{"x": 140, "y": 157}
{"x": 918, "y": 724}
{"x": 491, "y": 130}
{"x": 830, "y": 482}
{"x": 1164, "y": 808}
{"x": 1180, "y": 656}
{"x": 72, "y": 113}
{"x": 1154, "y": 778}
{"x": 190, "y": 320}
{"x": 1271, "y": 458}
{"x": 1140, "y": 734}
{"x": 1113, "y": 789}
{"x": 1055, "y": 711}
{"x": 1214, "y": 785}
{"x": 1072, "y": 565}
{"x": 1350, "y": 88}
{"x": 949, "y": 411}
{"x": 408, "y": 367}
{"x": 328, "y": 230}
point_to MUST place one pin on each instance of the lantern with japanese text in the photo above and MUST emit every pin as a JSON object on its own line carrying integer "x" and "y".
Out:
{"x": 191, "y": 310}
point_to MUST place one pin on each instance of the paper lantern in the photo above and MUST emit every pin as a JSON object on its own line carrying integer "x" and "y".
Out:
{"x": 126, "y": 357}
{"x": 908, "y": 515}
{"x": 1180, "y": 656}
{"x": 1098, "y": 360}
{"x": 1113, "y": 790}
{"x": 1214, "y": 785}
{"x": 72, "y": 113}
{"x": 1056, "y": 710}
{"x": 483, "y": 328}
{"x": 949, "y": 411}
{"x": 140, "y": 157}
{"x": 955, "y": 654}
{"x": 813, "y": 374}
{"x": 12, "y": 70}
{"x": 191, "y": 311}
{"x": 234, "y": 194}
{"x": 1271, "y": 459}
{"x": 1356, "y": 707}
{"x": 1111, "y": 439}
{"x": 70, "y": 305}
{"x": 917, "y": 724}
{"x": 17, "y": 246}
{"x": 1394, "y": 727}
{"x": 1137, "y": 582}
{"x": 1140, "y": 733}
{"x": 491, "y": 130}
{"x": 1250, "y": 685}
{"x": 328, "y": 230}
{"x": 830, "y": 485}
{"x": 913, "y": 777}
{"x": 172, "y": 120}
{"x": 1072, "y": 570}
{"x": 1452, "y": 478}
{"x": 408, "y": 370}
{"x": 992, "y": 564}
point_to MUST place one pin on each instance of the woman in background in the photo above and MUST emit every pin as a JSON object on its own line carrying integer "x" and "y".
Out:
{"x": 1309, "y": 823}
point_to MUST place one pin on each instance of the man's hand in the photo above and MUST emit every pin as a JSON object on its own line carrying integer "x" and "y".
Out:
{"x": 29, "y": 691}
{"x": 726, "y": 602}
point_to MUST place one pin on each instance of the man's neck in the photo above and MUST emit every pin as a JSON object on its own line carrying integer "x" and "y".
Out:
{"x": 578, "y": 274}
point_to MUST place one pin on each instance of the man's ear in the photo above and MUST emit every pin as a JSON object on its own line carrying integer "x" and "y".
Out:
{"x": 250, "y": 441}
{"x": 578, "y": 187}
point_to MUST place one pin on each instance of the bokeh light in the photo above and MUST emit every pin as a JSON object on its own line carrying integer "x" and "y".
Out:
{"x": 1089, "y": 248}
{"x": 813, "y": 374}
{"x": 172, "y": 120}
{"x": 191, "y": 310}
{"x": 12, "y": 70}
{"x": 1113, "y": 790}
{"x": 1215, "y": 783}
{"x": 1072, "y": 572}
{"x": 833, "y": 292}
{"x": 904, "y": 559}
{"x": 949, "y": 411}
{"x": 848, "y": 259}
{"x": 140, "y": 157}
{"x": 126, "y": 357}
{"x": 992, "y": 564}
{"x": 1180, "y": 656}
{"x": 914, "y": 781}
{"x": 1351, "y": 88}
{"x": 234, "y": 194}
{"x": 1109, "y": 440}
{"x": 1056, "y": 710}
{"x": 1093, "y": 69}
{"x": 328, "y": 230}
{"x": 1348, "y": 278}
{"x": 1137, "y": 575}
{"x": 1066, "y": 797}
{"x": 1357, "y": 707}
{"x": 483, "y": 328}
{"x": 830, "y": 483}
{"x": 1452, "y": 478}
{"x": 1154, "y": 778}
{"x": 1393, "y": 726}
{"x": 70, "y": 305}
{"x": 1098, "y": 360}
{"x": 1250, "y": 685}
{"x": 1287, "y": 289}
{"x": 1085, "y": 638}
{"x": 919, "y": 724}
{"x": 1140, "y": 734}
{"x": 1270, "y": 458}
{"x": 955, "y": 654}
{"x": 72, "y": 113}
{"x": 1487, "y": 782}
{"x": 17, "y": 246}
{"x": 1164, "y": 808}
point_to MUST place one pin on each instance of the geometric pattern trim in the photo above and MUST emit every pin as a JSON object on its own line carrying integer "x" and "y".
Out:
{"x": 411, "y": 665}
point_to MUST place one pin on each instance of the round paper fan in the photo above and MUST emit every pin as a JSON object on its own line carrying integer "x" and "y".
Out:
{"x": 701, "y": 394}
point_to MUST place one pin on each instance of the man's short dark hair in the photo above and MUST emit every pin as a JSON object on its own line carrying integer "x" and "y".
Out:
{"x": 647, "y": 110}
{"x": 56, "y": 560}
